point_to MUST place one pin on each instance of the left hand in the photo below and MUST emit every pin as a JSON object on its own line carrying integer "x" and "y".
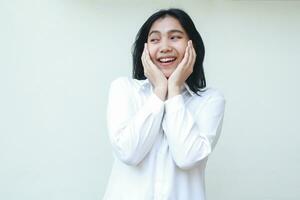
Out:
{"x": 183, "y": 71}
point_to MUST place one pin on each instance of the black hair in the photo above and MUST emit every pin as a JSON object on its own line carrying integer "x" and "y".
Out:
{"x": 196, "y": 81}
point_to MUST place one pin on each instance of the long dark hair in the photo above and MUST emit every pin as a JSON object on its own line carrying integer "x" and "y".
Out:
{"x": 196, "y": 81}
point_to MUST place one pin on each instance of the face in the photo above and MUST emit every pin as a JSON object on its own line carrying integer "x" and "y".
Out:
{"x": 167, "y": 41}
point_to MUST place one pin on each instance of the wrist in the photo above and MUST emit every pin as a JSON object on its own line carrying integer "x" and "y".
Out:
{"x": 173, "y": 91}
{"x": 174, "y": 85}
{"x": 161, "y": 92}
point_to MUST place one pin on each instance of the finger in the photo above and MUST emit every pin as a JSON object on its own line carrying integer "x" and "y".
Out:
{"x": 152, "y": 68}
{"x": 190, "y": 53}
{"x": 193, "y": 49}
{"x": 185, "y": 57}
{"x": 190, "y": 63}
{"x": 143, "y": 59}
{"x": 148, "y": 58}
{"x": 143, "y": 53}
{"x": 193, "y": 58}
{"x": 193, "y": 53}
{"x": 145, "y": 64}
{"x": 146, "y": 55}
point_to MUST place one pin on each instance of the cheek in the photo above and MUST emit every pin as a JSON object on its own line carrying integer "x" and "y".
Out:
{"x": 181, "y": 49}
{"x": 152, "y": 52}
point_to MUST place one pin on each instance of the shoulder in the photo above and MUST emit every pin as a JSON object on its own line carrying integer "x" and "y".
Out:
{"x": 120, "y": 80}
{"x": 210, "y": 99}
{"x": 211, "y": 93}
{"x": 126, "y": 83}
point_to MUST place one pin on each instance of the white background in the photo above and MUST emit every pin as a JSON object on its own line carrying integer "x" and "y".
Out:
{"x": 58, "y": 57}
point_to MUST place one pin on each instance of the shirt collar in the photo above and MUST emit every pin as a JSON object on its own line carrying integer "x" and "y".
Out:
{"x": 146, "y": 83}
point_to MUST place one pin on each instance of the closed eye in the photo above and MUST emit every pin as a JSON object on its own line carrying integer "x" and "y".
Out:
{"x": 176, "y": 37}
{"x": 154, "y": 40}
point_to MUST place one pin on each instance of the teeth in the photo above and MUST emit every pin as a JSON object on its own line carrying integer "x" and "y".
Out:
{"x": 166, "y": 59}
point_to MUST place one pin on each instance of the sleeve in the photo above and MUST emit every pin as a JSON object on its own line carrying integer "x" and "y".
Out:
{"x": 192, "y": 137}
{"x": 132, "y": 128}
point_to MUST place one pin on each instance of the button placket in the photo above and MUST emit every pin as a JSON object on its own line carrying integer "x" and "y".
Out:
{"x": 159, "y": 175}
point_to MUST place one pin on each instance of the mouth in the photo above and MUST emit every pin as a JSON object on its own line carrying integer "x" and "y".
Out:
{"x": 166, "y": 61}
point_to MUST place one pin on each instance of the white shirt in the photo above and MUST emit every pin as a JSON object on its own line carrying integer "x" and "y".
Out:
{"x": 160, "y": 147}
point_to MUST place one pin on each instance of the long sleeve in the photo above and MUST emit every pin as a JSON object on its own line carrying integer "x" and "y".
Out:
{"x": 192, "y": 137}
{"x": 132, "y": 127}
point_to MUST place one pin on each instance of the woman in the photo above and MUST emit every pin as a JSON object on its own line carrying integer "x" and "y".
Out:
{"x": 164, "y": 123}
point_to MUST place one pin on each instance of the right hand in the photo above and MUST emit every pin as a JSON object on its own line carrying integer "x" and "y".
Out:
{"x": 154, "y": 75}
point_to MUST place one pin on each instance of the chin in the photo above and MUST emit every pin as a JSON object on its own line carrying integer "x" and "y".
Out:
{"x": 168, "y": 73}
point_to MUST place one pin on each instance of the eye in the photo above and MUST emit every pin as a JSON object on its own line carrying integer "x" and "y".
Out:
{"x": 175, "y": 37}
{"x": 153, "y": 40}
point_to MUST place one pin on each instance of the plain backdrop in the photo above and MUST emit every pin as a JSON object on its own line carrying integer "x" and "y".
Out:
{"x": 58, "y": 58}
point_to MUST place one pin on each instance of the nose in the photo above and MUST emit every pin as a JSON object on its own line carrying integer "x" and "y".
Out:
{"x": 165, "y": 47}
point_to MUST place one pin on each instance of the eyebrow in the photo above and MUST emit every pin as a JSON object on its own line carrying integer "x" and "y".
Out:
{"x": 170, "y": 31}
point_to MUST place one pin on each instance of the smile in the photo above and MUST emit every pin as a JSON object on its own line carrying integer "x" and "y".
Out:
{"x": 166, "y": 60}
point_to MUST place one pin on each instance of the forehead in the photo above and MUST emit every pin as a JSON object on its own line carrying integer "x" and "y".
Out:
{"x": 166, "y": 24}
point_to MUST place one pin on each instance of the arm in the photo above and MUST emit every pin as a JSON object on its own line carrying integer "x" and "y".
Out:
{"x": 132, "y": 130}
{"x": 191, "y": 138}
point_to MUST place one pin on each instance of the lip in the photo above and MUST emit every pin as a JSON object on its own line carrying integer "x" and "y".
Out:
{"x": 166, "y": 57}
{"x": 168, "y": 63}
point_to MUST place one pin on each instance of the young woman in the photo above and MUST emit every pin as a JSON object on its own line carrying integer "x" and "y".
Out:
{"x": 164, "y": 122}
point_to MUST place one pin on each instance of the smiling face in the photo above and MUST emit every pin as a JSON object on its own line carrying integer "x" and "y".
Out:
{"x": 167, "y": 41}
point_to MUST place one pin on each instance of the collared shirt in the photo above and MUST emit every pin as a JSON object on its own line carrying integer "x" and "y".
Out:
{"x": 160, "y": 147}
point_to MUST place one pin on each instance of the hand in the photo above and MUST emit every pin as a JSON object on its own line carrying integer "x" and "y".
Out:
{"x": 182, "y": 72}
{"x": 154, "y": 75}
